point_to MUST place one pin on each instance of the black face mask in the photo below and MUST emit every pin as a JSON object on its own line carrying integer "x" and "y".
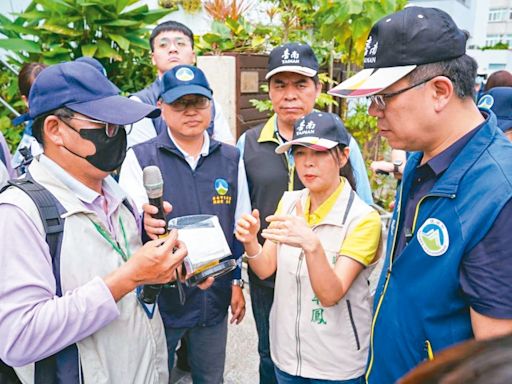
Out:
{"x": 110, "y": 151}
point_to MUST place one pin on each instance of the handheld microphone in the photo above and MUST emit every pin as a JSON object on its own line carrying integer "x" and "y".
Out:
{"x": 154, "y": 185}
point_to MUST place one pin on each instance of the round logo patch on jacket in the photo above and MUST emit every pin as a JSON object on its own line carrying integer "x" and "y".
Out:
{"x": 221, "y": 188}
{"x": 433, "y": 237}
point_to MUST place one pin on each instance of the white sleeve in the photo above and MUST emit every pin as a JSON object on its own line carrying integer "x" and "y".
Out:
{"x": 243, "y": 200}
{"x": 130, "y": 179}
{"x": 221, "y": 129}
{"x": 142, "y": 130}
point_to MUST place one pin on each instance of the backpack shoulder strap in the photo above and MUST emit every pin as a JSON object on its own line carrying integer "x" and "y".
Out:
{"x": 63, "y": 367}
{"x": 50, "y": 211}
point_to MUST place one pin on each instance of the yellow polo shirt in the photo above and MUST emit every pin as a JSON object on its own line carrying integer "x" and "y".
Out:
{"x": 361, "y": 242}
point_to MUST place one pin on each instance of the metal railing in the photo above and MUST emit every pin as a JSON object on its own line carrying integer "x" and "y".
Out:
{"x": 2, "y": 101}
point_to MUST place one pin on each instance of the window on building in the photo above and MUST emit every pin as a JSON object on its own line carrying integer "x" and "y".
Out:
{"x": 498, "y": 14}
{"x": 492, "y": 40}
{"x": 496, "y": 66}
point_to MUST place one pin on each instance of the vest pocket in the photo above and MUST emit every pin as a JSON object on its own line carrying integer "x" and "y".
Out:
{"x": 353, "y": 324}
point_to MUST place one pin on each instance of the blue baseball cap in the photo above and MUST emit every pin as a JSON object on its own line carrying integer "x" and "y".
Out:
{"x": 184, "y": 80}
{"x": 499, "y": 100}
{"x": 83, "y": 89}
{"x": 95, "y": 63}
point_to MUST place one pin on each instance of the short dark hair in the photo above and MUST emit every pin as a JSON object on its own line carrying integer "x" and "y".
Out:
{"x": 498, "y": 79}
{"x": 38, "y": 124}
{"x": 170, "y": 25}
{"x": 461, "y": 71}
{"x": 27, "y": 75}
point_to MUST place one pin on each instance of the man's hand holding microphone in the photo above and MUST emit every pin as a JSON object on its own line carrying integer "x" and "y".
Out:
{"x": 154, "y": 220}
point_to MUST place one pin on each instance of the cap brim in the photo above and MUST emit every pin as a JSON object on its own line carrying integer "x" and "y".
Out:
{"x": 370, "y": 81}
{"x": 292, "y": 68}
{"x": 314, "y": 143}
{"x": 21, "y": 119}
{"x": 175, "y": 93}
{"x": 115, "y": 110}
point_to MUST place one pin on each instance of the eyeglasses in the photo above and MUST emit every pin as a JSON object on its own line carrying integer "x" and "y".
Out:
{"x": 199, "y": 102}
{"x": 380, "y": 99}
{"x": 179, "y": 42}
{"x": 110, "y": 129}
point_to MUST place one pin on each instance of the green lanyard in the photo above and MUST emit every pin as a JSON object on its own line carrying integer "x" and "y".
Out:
{"x": 113, "y": 243}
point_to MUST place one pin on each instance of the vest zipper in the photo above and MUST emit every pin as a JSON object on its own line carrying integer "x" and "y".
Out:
{"x": 349, "y": 307}
{"x": 388, "y": 273}
{"x": 428, "y": 349}
{"x": 452, "y": 196}
{"x": 297, "y": 320}
{"x": 386, "y": 282}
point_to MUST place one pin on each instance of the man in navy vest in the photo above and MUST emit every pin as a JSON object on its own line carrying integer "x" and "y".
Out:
{"x": 193, "y": 165}
{"x": 447, "y": 275}
{"x": 172, "y": 43}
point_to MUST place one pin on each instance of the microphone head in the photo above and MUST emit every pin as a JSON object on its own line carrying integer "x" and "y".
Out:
{"x": 153, "y": 182}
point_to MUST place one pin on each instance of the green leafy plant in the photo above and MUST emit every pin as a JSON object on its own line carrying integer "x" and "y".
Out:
{"x": 232, "y": 35}
{"x": 113, "y": 31}
{"x": 189, "y": 6}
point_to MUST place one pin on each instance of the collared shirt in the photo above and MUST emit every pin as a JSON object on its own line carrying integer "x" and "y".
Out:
{"x": 103, "y": 205}
{"x": 361, "y": 242}
{"x": 27, "y": 277}
{"x": 191, "y": 160}
{"x": 484, "y": 268}
{"x": 424, "y": 179}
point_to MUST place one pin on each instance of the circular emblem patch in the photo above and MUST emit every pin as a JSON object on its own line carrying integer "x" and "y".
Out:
{"x": 221, "y": 186}
{"x": 486, "y": 101}
{"x": 184, "y": 74}
{"x": 433, "y": 237}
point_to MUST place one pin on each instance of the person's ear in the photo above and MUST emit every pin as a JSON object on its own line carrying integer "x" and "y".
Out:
{"x": 343, "y": 155}
{"x": 318, "y": 89}
{"x": 52, "y": 130}
{"x": 442, "y": 92}
{"x": 25, "y": 100}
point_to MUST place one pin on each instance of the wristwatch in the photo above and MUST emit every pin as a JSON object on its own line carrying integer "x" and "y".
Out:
{"x": 238, "y": 282}
{"x": 396, "y": 166}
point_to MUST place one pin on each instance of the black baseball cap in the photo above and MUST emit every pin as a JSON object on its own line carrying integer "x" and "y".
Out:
{"x": 292, "y": 57}
{"x": 398, "y": 43}
{"x": 320, "y": 131}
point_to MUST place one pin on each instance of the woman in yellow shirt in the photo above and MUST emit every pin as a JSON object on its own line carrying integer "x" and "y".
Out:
{"x": 321, "y": 243}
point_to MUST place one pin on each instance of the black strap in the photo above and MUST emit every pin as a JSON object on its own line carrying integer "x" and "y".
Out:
{"x": 2, "y": 156}
{"x": 349, "y": 205}
{"x": 61, "y": 368}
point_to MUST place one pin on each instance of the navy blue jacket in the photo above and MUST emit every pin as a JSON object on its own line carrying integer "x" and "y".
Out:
{"x": 419, "y": 305}
{"x": 193, "y": 192}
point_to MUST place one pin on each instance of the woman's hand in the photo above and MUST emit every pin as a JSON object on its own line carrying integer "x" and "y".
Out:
{"x": 291, "y": 230}
{"x": 247, "y": 227}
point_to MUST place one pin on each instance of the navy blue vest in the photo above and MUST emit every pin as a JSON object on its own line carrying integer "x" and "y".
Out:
{"x": 193, "y": 192}
{"x": 151, "y": 94}
{"x": 419, "y": 302}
